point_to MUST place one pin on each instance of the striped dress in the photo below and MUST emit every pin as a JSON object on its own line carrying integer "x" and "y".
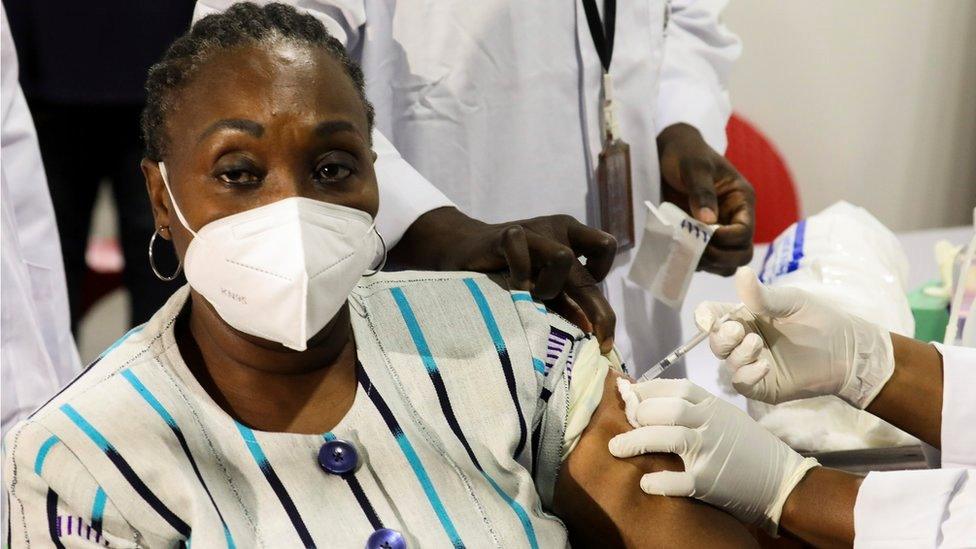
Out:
{"x": 458, "y": 423}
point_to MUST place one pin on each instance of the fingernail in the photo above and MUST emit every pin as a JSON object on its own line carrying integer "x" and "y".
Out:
{"x": 707, "y": 215}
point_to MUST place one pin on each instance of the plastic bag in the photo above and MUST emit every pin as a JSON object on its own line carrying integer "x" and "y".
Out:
{"x": 845, "y": 255}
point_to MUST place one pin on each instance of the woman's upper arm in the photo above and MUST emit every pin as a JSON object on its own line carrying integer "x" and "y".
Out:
{"x": 599, "y": 498}
{"x": 53, "y": 499}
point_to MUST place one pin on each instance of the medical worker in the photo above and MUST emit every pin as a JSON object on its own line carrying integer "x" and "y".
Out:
{"x": 501, "y": 104}
{"x": 789, "y": 345}
{"x": 38, "y": 351}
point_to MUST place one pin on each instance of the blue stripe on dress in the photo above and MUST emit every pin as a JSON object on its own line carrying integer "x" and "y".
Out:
{"x": 420, "y": 342}
{"x": 98, "y": 509}
{"x": 408, "y": 452}
{"x": 154, "y": 403}
{"x": 414, "y": 327}
{"x": 42, "y": 453}
{"x": 279, "y": 489}
{"x": 519, "y": 511}
{"x": 539, "y": 365}
{"x": 506, "y": 362}
{"x": 120, "y": 341}
{"x": 88, "y": 368}
{"x": 86, "y": 427}
{"x": 524, "y": 296}
{"x": 147, "y": 395}
{"x": 126, "y": 470}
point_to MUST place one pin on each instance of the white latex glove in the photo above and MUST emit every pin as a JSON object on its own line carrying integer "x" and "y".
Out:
{"x": 731, "y": 461}
{"x": 790, "y": 344}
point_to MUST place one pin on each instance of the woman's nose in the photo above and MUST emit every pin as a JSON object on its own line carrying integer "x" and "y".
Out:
{"x": 288, "y": 184}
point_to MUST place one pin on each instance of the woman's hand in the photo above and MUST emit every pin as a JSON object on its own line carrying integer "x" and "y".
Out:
{"x": 540, "y": 255}
{"x": 707, "y": 186}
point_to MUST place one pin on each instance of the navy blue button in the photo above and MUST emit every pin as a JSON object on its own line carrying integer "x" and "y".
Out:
{"x": 338, "y": 457}
{"x": 385, "y": 538}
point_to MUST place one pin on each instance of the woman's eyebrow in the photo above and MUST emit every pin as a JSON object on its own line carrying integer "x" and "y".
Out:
{"x": 239, "y": 124}
{"x": 324, "y": 129}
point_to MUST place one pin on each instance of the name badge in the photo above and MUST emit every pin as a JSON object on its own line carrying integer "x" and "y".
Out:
{"x": 616, "y": 192}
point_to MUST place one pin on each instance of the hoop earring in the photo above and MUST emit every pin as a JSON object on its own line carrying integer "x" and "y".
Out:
{"x": 382, "y": 264}
{"x": 152, "y": 263}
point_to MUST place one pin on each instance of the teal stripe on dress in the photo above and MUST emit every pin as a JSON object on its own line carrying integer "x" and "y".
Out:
{"x": 86, "y": 427}
{"x": 486, "y": 314}
{"x": 163, "y": 413}
{"x": 120, "y": 341}
{"x": 414, "y": 327}
{"x": 420, "y": 341}
{"x": 276, "y": 485}
{"x": 428, "y": 486}
{"x": 98, "y": 505}
{"x": 519, "y": 511}
{"x": 252, "y": 444}
{"x": 125, "y": 469}
{"x": 524, "y": 296}
{"x": 539, "y": 365}
{"x": 504, "y": 360}
{"x": 411, "y": 456}
{"x": 147, "y": 395}
{"x": 42, "y": 453}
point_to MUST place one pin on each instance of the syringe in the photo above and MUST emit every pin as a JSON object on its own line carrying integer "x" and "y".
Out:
{"x": 655, "y": 371}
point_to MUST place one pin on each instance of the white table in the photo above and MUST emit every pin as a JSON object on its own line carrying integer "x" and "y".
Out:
{"x": 702, "y": 366}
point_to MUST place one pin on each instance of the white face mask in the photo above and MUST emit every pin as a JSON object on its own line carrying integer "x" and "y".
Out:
{"x": 280, "y": 271}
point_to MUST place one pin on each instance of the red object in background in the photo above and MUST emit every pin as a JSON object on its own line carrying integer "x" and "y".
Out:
{"x": 103, "y": 275}
{"x": 777, "y": 205}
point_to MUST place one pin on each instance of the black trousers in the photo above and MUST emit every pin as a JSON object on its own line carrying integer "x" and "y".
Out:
{"x": 81, "y": 146}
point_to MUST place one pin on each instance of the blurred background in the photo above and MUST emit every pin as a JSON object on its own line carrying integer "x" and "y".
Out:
{"x": 871, "y": 101}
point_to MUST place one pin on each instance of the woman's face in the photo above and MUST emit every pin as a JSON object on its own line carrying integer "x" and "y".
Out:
{"x": 257, "y": 125}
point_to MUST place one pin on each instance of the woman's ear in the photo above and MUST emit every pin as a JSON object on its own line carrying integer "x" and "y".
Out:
{"x": 375, "y": 156}
{"x": 158, "y": 197}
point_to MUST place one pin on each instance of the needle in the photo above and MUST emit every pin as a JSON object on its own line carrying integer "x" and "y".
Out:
{"x": 655, "y": 371}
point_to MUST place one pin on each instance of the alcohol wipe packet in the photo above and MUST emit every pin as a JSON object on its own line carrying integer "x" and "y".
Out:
{"x": 669, "y": 251}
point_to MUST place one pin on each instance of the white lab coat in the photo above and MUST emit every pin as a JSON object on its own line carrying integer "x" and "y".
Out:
{"x": 930, "y": 508}
{"x": 38, "y": 350}
{"x": 496, "y": 102}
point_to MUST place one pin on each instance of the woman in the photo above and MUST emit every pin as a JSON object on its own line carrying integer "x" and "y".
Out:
{"x": 279, "y": 400}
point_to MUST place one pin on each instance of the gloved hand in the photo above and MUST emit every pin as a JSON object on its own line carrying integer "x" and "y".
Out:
{"x": 731, "y": 461}
{"x": 790, "y": 344}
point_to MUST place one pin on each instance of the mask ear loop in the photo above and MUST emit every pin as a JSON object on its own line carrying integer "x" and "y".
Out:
{"x": 382, "y": 263}
{"x": 179, "y": 214}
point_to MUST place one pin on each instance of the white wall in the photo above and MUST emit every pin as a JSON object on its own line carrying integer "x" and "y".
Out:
{"x": 873, "y": 101}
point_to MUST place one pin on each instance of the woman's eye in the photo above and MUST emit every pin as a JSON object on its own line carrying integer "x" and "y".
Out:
{"x": 238, "y": 177}
{"x": 333, "y": 172}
